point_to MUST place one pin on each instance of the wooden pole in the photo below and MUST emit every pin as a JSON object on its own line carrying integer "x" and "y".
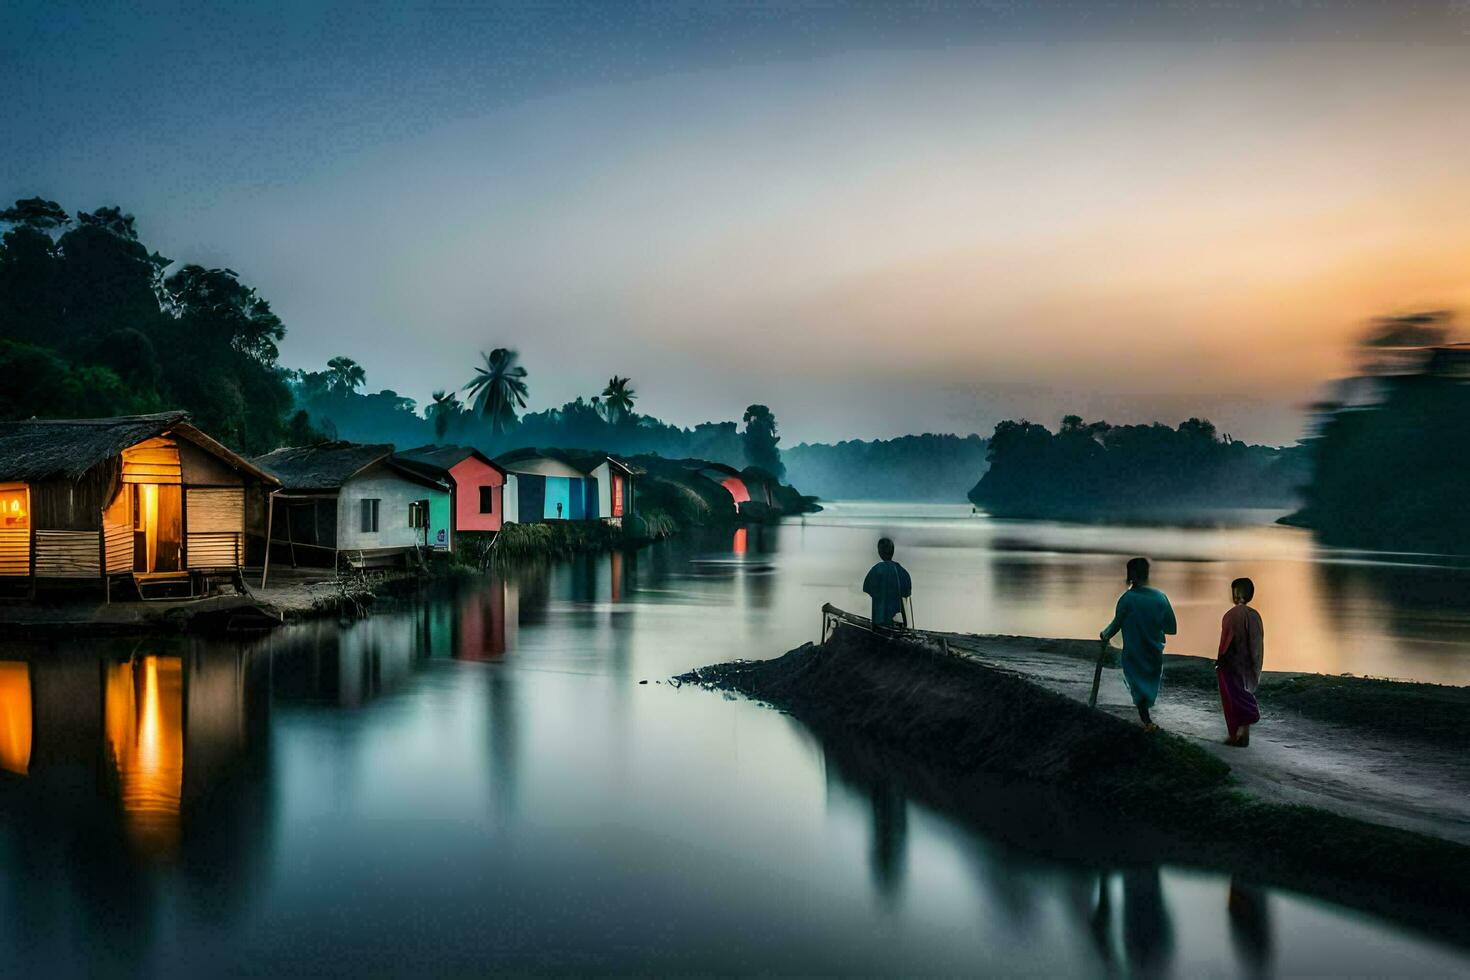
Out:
{"x": 102, "y": 554}
{"x": 1102, "y": 654}
{"x": 270, "y": 517}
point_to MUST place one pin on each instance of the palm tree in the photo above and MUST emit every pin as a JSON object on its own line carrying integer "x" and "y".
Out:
{"x": 344, "y": 375}
{"x": 442, "y": 412}
{"x": 498, "y": 388}
{"x": 618, "y": 398}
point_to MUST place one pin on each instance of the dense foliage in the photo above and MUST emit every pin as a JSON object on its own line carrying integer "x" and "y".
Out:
{"x": 1096, "y": 469}
{"x": 929, "y": 467}
{"x": 1390, "y": 468}
{"x": 332, "y": 400}
{"x": 91, "y": 324}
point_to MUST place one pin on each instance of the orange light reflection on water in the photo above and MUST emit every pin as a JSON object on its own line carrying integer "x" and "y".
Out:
{"x": 15, "y": 716}
{"x": 145, "y": 734}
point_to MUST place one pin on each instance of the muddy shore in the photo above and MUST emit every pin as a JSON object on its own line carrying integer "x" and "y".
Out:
{"x": 1044, "y": 772}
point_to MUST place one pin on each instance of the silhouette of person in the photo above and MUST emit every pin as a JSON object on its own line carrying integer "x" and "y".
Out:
{"x": 1144, "y": 616}
{"x": 888, "y": 584}
{"x": 1238, "y": 664}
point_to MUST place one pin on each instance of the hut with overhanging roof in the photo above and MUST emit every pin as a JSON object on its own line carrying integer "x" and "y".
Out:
{"x": 346, "y": 501}
{"x": 146, "y": 499}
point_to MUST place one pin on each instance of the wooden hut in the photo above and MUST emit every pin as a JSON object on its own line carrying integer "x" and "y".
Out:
{"x": 148, "y": 498}
{"x": 346, "y": 500}
{"x": 476, "y": 486}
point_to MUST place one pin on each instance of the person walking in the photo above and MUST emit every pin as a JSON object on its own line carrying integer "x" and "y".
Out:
{"x": 1144, "y": 617}
{"x": 1239, "y": 662}
{"x": 888, "y": 584}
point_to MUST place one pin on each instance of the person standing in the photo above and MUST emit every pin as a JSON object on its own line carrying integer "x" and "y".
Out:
{"x": 1144, "y": 617}
{"x": 1238, "y": 664}
{"x": 888, "y": 584}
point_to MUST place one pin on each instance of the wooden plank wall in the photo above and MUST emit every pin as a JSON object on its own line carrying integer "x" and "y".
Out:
{"x": 216, "y": 526}
{"x": 67, "y": 554}
{"x": 119, "y": 539}
{"x": 15, "y": 551}
{"x": 152, "y": 461}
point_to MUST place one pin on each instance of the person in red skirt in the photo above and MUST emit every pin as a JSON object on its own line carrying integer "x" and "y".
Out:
{"x": 1238, "y": 665}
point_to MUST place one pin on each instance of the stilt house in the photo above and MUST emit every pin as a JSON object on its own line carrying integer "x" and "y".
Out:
{"x": 353, "y": 502}
{"x": 146, "y": 498}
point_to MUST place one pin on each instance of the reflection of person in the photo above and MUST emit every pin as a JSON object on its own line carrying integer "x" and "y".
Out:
{"x": 890, "y": 837}
{"x": 1250, "y": 928}
{"x": 1238, "y": 665}
{"x": 1144, "y": 616}
{"x": 1148, "y": 935}
{"x": 888, "y": 584}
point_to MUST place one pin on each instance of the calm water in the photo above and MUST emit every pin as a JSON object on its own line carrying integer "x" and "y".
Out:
{"x": 481, "y": 783}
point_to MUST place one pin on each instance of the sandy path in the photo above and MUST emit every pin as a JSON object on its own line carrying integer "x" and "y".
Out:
{"x": 1291, "y": 759}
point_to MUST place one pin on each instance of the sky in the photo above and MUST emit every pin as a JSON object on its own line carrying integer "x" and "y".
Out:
{"x": 875, "y": 219}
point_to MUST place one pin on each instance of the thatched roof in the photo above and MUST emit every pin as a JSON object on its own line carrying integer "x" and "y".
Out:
{"x": 438, "y": 460}
{"x": 325, "y": 466}
{"x": 50, "y": 449}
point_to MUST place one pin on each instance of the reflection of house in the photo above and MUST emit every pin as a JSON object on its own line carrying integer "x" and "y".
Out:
{"x": 145, "y": 496}
{"x": 476, "y": 485}
{"x": 148, "y": 735}
{"x": 356, "y": 501}
{"x": 547, "y": 485}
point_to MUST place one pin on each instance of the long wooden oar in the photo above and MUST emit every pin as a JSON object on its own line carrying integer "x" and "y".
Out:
{"x": 1102, "y": 654}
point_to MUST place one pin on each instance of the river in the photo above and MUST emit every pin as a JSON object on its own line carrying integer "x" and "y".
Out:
{"x": 481, "y": 781}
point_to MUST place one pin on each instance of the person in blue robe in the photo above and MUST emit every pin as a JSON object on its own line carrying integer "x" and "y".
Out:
{"x": 888, "y": 584}
{"x": 1144, "y": 617}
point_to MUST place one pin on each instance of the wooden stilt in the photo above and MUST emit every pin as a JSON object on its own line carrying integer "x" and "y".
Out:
{"x": 270, "y": 518}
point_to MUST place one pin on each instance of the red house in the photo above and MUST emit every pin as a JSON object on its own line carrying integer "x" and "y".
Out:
{"x": 477, "y": 485}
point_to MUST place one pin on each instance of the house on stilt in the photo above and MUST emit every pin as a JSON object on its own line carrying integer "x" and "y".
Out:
{"x": 146, "y": 502}
{"x": 345, "y": 501}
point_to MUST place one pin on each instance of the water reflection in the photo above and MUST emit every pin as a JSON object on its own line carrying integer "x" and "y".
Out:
{"x": 476, "y": 782}
{"x": 144, "y": 721}
{"x": 1250, "y": 928}
{"x": 15, "y": 716}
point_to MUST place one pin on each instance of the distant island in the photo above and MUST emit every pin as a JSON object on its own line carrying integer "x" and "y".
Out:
{"x": 1097, "y": 471}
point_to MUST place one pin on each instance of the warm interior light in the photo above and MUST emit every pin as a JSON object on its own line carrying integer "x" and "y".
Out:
{"x": 13, "y": 509}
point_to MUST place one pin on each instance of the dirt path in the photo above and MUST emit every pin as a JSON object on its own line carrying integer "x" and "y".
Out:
{"x": 1291, "y": 759}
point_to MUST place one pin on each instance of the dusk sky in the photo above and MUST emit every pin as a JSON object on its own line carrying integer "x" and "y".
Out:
{"x": 874, "y": 220}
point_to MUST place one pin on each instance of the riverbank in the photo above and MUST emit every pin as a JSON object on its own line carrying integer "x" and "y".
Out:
{"x": 996, "y": 729}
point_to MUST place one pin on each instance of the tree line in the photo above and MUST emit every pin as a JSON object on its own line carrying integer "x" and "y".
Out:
{"x": 1390, "y": 454}
{"x": 1094, "y": 469}
{"x": 930, "y": 467}
{"x": 93, "y": 323}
